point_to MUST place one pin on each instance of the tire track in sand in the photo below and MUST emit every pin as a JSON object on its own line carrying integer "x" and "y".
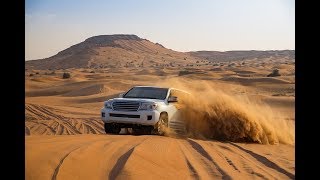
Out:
{"x": 117, "y": 168}
{"x": 56, "y": 170}
{"x": 192, "y": 169}
{"x": 42, "y": 112}
{"x": 203, "y": 166}
{"x": 205, "y": 154}
{"x": 45, "y": 120}
{"x": 265, "y": 161}
{"x": 118, "y": 152}
{"x": 59, "y": 127}
{"x": 238, "y": 165}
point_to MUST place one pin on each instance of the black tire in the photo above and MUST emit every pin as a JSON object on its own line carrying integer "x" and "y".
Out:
{"x": 162, "y": 124}
{"x": 142, "y": 131}
{"x": 111, "y": 129}
{"x": 148, "y": 130}
{"x": 136, "y": 131}
{"x": 107, "y": 128}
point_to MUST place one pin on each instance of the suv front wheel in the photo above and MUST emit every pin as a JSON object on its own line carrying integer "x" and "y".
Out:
{"x": 111, "y": 129}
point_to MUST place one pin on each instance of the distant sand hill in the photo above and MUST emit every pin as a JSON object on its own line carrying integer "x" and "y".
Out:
{"x": 121, "y": 50}
{"x": 112, "y": 51}
{"x": 241, "y": 55}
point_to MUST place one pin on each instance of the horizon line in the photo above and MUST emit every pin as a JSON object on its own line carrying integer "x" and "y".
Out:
{"x": 165, "y": 47}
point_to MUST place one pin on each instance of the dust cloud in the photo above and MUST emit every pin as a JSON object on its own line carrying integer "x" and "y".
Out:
{"x": 210, "y": 111}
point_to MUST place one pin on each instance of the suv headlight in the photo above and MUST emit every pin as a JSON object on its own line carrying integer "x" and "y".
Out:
{"x": 108, "y": 104}
{"x": 148, "y": 106}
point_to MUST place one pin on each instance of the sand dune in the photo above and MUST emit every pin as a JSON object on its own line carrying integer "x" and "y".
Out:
{"x": 249, "y": 80}
{"x": 90, "y": 90}
{"x": 151, "y": 157}
{"x": 65, "y": 138}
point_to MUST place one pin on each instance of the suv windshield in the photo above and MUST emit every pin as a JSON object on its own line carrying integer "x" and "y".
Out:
{"x": 147, "y": 93}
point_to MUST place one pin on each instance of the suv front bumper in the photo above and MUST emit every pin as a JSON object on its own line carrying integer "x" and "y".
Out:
{"x": 149, "y": 118}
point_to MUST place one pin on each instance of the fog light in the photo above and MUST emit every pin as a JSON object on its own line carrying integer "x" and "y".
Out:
{"x": 149, "y": 117}
{"x": 102, "y": 114}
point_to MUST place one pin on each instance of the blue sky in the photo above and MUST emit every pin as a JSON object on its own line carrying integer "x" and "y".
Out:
{"x": 182, "y": 25}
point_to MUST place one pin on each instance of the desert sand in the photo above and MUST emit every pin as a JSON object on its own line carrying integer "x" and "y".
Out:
{"x": 242, "y": 119}
{"x": 65, "y": 137}
{"x": 153, "y": 157}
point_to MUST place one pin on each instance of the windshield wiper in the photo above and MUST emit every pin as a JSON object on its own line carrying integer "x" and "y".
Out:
{"x": 150, "y": 98}
{"x": 140, "y": 97}
{"x": 130, "y": 97}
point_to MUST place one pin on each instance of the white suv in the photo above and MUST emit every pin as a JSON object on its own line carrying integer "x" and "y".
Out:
{"x": 145, "y": 109}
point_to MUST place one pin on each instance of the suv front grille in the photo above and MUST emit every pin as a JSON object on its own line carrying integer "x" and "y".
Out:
{"x": 125, "y": 105}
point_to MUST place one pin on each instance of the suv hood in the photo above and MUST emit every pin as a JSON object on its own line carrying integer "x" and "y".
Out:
{"x": 137, "y": 99}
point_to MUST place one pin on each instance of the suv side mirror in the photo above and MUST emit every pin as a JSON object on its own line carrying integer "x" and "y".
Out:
{"x": 121, "y": 95}
{"x": 172, "y": 99}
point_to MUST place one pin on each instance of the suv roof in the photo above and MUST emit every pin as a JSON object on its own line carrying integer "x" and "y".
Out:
{"x": 149, "y": 86}
{"x": 165, "y": 87}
